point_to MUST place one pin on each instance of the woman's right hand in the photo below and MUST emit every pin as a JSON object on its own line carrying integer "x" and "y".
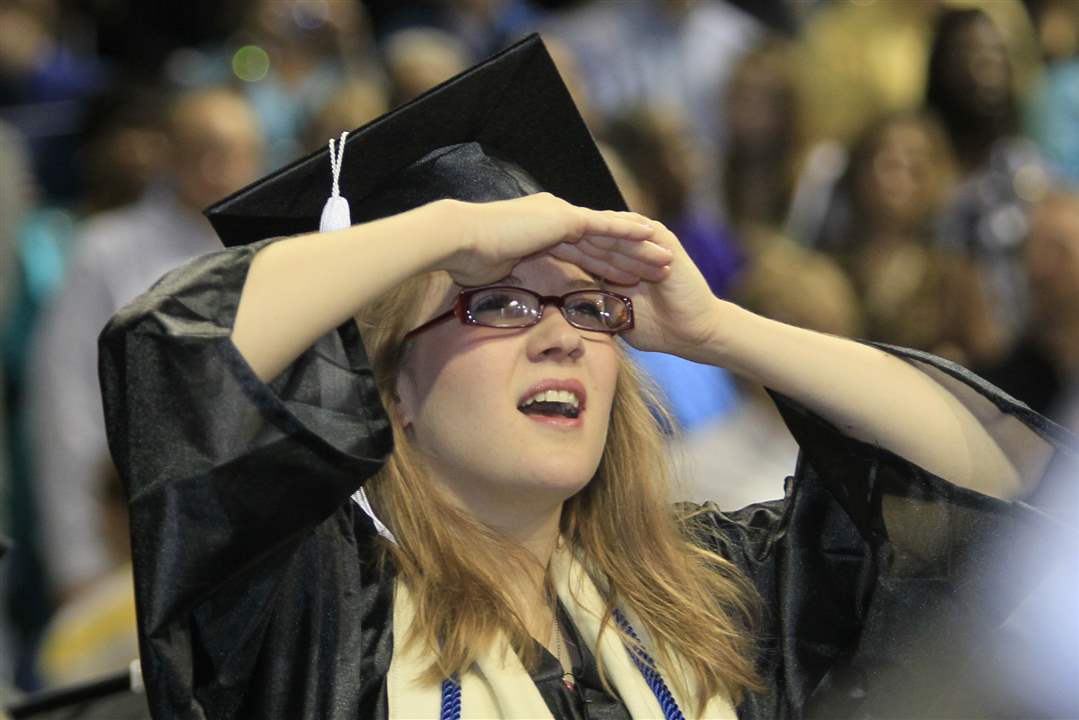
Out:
{"x": 491, "y": 238}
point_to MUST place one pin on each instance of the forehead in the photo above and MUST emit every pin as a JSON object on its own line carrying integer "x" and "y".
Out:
{"x": 543, "y": 274}
{"x": 549, "y": 275}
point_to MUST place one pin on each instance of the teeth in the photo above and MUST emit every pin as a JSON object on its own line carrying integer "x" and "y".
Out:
{"x": 558, "y": 396}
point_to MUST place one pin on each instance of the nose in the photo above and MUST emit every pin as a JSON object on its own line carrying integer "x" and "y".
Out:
{"x": 553, "y": 338}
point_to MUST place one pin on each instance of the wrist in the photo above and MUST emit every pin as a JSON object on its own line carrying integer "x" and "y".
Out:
{"x": 437, "y": 233}
{"x": 722, "y": 322}
{"x": 451, "y": 222}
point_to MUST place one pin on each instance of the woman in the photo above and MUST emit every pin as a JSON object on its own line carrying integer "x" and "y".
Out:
{"x": 915, "y": 294}
{"x": 529, "y": 564}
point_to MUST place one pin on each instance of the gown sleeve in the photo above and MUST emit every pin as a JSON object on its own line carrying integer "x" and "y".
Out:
{"x": 889, "y": 592}
{"x": 246, "y": 547}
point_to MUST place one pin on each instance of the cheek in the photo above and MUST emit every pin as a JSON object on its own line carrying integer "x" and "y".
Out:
{"x": 449, "y": 380}
{"x": 605, "y": 368}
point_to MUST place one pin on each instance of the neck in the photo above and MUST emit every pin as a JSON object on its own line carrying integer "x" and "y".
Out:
{"x": 528, "y": 519}
{"x": 535, "y": 532}
{"x": 532, "y": 523}
{"x": 538, "y": 535}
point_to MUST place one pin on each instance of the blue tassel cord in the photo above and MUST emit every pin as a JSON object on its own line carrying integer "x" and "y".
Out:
{"x": 451, "y": 688}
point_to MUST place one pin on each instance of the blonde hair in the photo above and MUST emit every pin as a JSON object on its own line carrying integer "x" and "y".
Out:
{"x": 643, "y": 555}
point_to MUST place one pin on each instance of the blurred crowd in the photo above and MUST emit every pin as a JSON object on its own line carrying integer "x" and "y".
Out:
{"x": 900, "y": 172}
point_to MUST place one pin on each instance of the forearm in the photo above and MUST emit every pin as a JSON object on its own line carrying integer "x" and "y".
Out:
{"x": 869, "y": 394}
{"x": 301, "y": 288}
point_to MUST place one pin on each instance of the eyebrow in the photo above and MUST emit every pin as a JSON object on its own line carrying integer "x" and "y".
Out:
{"x": 575, "y": 284}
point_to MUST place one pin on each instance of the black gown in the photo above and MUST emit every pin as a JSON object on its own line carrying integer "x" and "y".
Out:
{"x": 258, "y": 595}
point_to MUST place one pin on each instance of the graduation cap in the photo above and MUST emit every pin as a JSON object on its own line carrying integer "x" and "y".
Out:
{"x": 505, "y": 128}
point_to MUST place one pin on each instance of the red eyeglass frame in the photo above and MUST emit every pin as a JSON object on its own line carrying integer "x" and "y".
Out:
{"x": 461, "y": 312}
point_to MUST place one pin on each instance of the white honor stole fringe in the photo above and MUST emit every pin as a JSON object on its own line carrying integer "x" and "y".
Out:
{"x": 498, "y": 686}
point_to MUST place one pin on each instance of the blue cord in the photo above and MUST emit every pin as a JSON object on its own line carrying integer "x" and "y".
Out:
{"x": 451, "y": 688}
{"x": 451, "y": 700}
{"x": 647, "y": 665}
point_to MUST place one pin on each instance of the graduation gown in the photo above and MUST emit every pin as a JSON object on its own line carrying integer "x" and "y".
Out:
{"x": 258, "y": 593}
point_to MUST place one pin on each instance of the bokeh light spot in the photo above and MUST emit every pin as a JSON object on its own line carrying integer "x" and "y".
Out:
{"x": 1030, "y": 183}
{"x": 250, "y": 63}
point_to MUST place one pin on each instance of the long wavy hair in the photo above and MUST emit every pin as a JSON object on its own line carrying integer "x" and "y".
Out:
{"x": 644, "y": 555}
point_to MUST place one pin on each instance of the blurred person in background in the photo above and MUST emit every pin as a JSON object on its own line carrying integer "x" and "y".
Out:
{"x": 659, "y": 151}
{"x": 310, "y": 49}
{"x": 123, "y": 147}
{"x": 569, "y": 67}
{"x": 14, "y": 184}
{"x": 969, "y": 85}
{"x": 487, "y": 26}
{"x": 483, "y": 26}
{"x": 1054, "y": 104}
{"x": 861, "y": 60}
{"x": 1042, "y": 368}
{"x": 742, "y": 457}
{"x": 355, "y": 103}
{"x": 1056, "y": 24}
{"x": 663, "y": 53}
{"x": 94, "y": 633}
{"x": 762, "y": 113}
{"x": 1027, "y": 668}
{"x": 656, "y": 154}
{"x": 214, "y": 149}
{"x": 913, "y": 293}
{"x": 288, "y": 58}
{"x": 47, "y": 77}
{"x": 418, "y": 58}
{"x": 970, "y": 88}
{"x": 120, "y": 149}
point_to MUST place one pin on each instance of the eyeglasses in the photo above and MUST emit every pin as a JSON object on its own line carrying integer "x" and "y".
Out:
{"x": 503, "y": 306}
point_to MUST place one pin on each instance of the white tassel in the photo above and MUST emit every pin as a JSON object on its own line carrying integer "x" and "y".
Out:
{"x": 335, "y": 213}
{"x": 360, "y": 498}
{"x": 336, "y": 216}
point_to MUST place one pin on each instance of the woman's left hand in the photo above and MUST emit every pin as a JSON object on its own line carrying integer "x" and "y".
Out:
{"x": 678, "y": 314}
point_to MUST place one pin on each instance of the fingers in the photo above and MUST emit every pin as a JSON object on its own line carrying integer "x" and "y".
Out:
{"x": 616, "y": 246}
{"x": 625, "y": 264}
{"x": 614, "y": 224}
{"x": 641, "y": 258}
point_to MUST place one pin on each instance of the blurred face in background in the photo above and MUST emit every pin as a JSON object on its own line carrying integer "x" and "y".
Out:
{"x": 25, "y": 34}
{"x": 760, "y": 103}
{"x": 898, "y": 186}
{"x": 215, "y": 146}
{"x": 656, "y": 147}
{"x": 417, "y": 59}
{"x": 979, "y": 70}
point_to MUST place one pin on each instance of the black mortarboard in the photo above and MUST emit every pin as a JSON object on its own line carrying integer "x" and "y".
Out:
{"x": 452, "y": 141}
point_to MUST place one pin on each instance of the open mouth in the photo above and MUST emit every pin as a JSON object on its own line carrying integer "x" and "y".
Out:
{"x": 552, "y": 403}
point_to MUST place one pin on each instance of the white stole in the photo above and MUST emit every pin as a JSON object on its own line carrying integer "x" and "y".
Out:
{"x": 498, "y": 686}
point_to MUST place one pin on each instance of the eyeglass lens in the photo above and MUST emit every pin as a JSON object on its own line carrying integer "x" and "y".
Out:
{"x": 585, "y": 309}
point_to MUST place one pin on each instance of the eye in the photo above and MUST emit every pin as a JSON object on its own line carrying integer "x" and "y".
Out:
{"x": 588, "y": 307}
{"x": 596, "y": 311}
{"x": 499, "y": 308}
{"x": 490, "y": 303}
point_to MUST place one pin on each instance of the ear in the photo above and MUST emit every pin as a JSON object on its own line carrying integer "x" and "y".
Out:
{"x": 404, "y": 400}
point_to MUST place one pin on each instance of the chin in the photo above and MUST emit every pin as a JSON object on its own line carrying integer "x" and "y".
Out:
{"x": 557, "y": 476}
